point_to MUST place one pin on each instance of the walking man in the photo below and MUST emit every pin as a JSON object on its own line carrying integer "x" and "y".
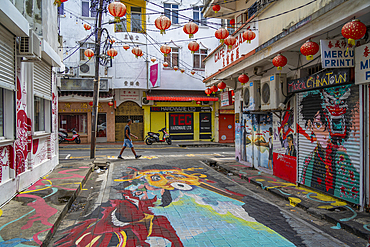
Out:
{"x": 127, "y": 141}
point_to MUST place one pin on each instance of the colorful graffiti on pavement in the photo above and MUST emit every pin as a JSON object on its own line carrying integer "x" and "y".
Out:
{"x": 41, "y": 211}
{"x": 329, "y": 126}
{"x": 168, "y": 207}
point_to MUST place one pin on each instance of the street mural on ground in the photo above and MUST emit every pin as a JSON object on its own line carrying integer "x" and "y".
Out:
{"x": 169, "y": 206}
{"x": 39, "y": 197}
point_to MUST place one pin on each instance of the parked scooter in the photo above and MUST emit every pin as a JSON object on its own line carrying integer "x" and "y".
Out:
{"x": 154, "y": 137}
{"x": 63, "y": 136}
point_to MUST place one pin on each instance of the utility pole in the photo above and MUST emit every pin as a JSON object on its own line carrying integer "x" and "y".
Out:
{"x": 94, "y": 114}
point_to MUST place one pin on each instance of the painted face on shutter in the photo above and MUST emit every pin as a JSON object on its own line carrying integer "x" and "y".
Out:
{"x": 320, "y": 131}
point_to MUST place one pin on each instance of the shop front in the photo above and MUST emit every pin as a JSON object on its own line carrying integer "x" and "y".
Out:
{"x": 226, "y": 119}
{"x": 190, "y": 120}
{"x": 328, "y": 127}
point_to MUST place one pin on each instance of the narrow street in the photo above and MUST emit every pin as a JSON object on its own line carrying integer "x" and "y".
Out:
{"x": 175, "y": 199}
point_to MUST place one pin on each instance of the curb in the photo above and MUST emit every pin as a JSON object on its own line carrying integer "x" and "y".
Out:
{"x": 206, "y": 145}
{"x": 303, "y": 205}
{"x": 56, "y": 224}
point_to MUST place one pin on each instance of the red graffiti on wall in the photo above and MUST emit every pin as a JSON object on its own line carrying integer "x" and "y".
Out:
{"x": 6, "y": 159}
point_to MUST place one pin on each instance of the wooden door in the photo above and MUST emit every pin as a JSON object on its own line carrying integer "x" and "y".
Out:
{"x": 129, "y": 110}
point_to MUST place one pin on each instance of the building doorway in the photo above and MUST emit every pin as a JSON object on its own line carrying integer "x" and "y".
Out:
{"x": 129, "y": 110}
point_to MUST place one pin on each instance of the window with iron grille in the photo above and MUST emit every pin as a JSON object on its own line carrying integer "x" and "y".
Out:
{"x": 198, "y": 16}
{"x": 172, "y": 12}
{"x": 198, "y": 58}
{"x": 88, "y": 10}
{"x": 173, "y": 58}
{"x": 136, "y": 19}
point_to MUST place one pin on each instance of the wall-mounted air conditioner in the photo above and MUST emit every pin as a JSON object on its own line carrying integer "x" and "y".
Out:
{"x": 145, "y": 101}
{"x": 87, "y": 68}
{"x": 251, "y": 96}
{"x": 30, "y": 47}
{"x": 273, "y": 89}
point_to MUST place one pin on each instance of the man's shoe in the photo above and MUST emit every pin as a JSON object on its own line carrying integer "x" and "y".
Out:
{"x": 137, "y": 156}
{"x": 119, "y": 157}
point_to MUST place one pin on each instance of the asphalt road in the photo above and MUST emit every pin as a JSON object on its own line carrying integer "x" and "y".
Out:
{"x": 147, "y": 152}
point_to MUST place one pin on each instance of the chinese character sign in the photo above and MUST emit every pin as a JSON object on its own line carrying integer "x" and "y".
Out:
{"x": 362, "y": 69}
{"x": 336, "y": 54}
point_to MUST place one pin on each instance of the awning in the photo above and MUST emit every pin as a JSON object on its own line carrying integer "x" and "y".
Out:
{"x": 179, "y": 96}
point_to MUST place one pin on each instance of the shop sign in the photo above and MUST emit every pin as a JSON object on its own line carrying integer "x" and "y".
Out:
{"x": 180, "y": 109}
{"x": 226, "y": 98}
{"x": 155, "y": 76}
{"x": 362, "y": 70}
{"x": 127, "y": 94}
{"x": 83, "y": 84}
{"x": 227, "y": 111}
{"x": 205, "y": 122}
{"x": 223, "y": 56}
{"x": 333, "y": 77}
{"x": 335, "y": 54}
{"x": 181, "y": 123}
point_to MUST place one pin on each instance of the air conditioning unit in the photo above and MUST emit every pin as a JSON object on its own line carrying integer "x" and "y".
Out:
{"x": 145, "y": 101}
{"x": 30, "y": 47}
{"x": 251, "y": 96}
{"x": 272, "y": 93}
{"x": 86, "y": 68}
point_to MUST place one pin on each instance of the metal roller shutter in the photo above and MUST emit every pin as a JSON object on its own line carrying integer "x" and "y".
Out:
{"x": 7, "y": 59}
{"x": 329, "y": 141}
{"x": 42, "y": 80}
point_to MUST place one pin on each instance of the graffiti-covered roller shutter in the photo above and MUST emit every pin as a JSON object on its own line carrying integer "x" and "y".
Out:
{"x": 42, "y": 80}
{"x": 7, "y": 59}
{"x": 329, "y": 141}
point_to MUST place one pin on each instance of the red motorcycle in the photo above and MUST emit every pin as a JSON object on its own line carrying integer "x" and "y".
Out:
{"x": 154, "y": 137}
{"x": 63, "y": 136}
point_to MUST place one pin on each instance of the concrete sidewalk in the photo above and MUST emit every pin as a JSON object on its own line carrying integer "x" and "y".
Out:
{"x": 30, "y": 218}
{"x": 339, "y": 212}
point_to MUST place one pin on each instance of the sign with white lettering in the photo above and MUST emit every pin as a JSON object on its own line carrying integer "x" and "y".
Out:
{"x": 334, "y": 77}
{"x": 224, "y": 56}
{"x": 362, "y": 69}
{"x": 129, "y": 94}
{"x": 181, "y": 123}
{"x": 335, "y": 54}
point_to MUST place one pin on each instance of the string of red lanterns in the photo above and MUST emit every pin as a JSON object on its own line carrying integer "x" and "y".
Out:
{"x": 112, "y": 52}
{"x": 208, "y": 91}
{"x": 243, "y": 78}
{"x": 249, "y": 36}
{"x": 216, "y": 8}
{"x": 221, "y": 86}
{"x": 193, "y": 46}
{"x": 214, "y": 89}
{"x": 230, "y": 41}
{"x": 221, "y": 34}
{"x": 190, "y": 28}
{"x": 137, "y": 52}
{"x": 165, "y": 49}
{"x": 162, "y": 23}
{"x": 87, "y": 26}
{"x": 309, "y": 49}
{"x": 89, "y": 53}
{"x": 117, "y": 9}
{"x": 279, "y": 61}
{"x": 126, "y": 47}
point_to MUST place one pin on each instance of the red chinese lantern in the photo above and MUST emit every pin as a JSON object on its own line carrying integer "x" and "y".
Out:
{"x": 182, "y": 70}
{"x": 87, "y": 26}
{"x": 117, "y": 9}
{"x": 91, "y": 103}
{"x": 216, "y": 8}
{"x": 243, "y": 78}
{"x": 126, "y": 47}
{"x": 137, "y": 52}
{"x": 221, "y": 86}
{"x": 175, "y": 68}
{"x": 193, "y": 46}
{"x": 165, "y": 49}
{"x": 222, "y": 34}
{"x": 279, "y": 61}
{"x": 214, "y": 89}
{"x": 249, "y": 35}
{"x": 89, "y": 53}
{"x": 153, "y": 59}
{"x": 353, "y": 30}
{"x": 309, "y": 49}
{"x": 232, "y": 93}
{"x": 112, "y": 40}
{"x": 112, "y": 52}
{"x": 198, "y": 102}
{"x": 110, "y": 103}
{"x": 230, "y": 41}
{"x": 208, "y": 91}
{"x": 162, "y": 23}
{"x": 165, "y": 64}
{"x": 192, "y": 72}
{"x": 232, "y": 22}
{"x": 190, "y": 28}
